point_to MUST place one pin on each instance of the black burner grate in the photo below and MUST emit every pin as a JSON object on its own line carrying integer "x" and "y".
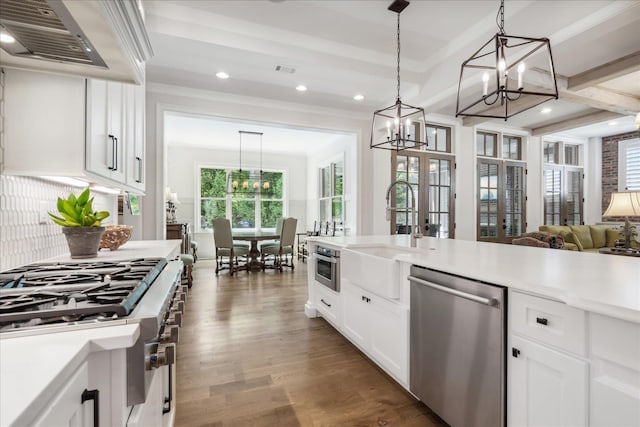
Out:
{"x": 63, "y": 292}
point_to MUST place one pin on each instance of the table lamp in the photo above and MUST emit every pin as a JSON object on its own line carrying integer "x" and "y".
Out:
{"x": 624, "y": 204}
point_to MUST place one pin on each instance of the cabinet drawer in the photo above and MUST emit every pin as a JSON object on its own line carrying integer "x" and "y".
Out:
{"x": 548, "y": 321}
{"x": 328, "y": 304}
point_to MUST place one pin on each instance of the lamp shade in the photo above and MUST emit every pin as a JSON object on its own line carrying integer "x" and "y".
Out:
{"x": 624, "y": 204}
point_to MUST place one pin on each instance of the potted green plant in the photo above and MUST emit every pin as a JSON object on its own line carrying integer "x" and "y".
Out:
{"x": 81, "y": 225}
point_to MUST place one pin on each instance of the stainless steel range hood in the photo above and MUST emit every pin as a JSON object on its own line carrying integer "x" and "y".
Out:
{"x": 102, "y": 38}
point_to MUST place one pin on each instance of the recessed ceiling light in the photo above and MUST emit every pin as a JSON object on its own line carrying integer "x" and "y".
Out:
{"x": 545, "y": 110}
{"x": 222, "y": 75}
{"x": 612, "y": 123}
{"x": 301, "y": 88}
{"x": 6, "y": 38}
{"x": 358, "y": 97}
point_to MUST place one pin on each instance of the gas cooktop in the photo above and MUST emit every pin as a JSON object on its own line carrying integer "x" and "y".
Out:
{"x": 46, "y": 293}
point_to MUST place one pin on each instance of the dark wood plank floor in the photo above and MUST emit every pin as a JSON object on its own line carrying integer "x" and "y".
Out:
{"x": 248, "y": 356}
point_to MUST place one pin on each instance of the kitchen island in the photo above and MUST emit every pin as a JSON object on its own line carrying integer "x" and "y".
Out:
{"x": 47, "y": 372}
{"x": 572, "y": 338}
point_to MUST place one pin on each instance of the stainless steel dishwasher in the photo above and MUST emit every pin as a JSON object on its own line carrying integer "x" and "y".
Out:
{"x": 457, "y": 347}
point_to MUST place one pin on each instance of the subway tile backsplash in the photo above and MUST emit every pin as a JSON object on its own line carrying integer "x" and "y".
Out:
{"x": 23, "y": 201}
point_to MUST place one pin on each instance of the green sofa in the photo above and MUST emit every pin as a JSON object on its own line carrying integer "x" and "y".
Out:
{"x": 586, "y": 238}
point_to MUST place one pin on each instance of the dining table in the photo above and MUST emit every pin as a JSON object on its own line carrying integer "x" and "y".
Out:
{"x": 254, "y": 237}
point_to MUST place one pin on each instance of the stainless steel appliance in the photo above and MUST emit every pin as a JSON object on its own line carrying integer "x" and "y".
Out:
{"x": 458, "y": 341}
{"x": 52, "y": 297}
{"x": 328, "y": 267}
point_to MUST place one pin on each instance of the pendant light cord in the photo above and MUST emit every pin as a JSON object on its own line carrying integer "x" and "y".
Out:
{"x": 398, "y": 68}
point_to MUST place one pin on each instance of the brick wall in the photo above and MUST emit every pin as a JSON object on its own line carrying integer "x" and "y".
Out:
{"x": 610, "y": 168}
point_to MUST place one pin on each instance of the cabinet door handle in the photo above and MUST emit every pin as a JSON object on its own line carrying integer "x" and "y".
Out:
{"x": 113, "y": 148}
{"x": 366, "y": 299}
{"x": 95, "y": 396}
{"x": 115, "y": 162}
{"x": 515, "y": 352}
{"x": 139, "y": 160}
{"x": 542, "y": 321}
{"x": 325, "y": 303}
{"x": 168, "y": 399}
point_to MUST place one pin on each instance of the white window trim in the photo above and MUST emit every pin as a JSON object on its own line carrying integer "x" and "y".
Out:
{"x": 623, "y": 147}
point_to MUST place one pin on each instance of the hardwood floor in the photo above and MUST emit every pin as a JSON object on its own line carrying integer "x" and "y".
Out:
{"x": 248, "y": 356}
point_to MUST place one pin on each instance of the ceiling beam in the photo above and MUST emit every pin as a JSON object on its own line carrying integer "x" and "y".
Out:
{"x": 597, "y": 117}
{"x": 603, "y": 99}
{"x": 608, "y": 71}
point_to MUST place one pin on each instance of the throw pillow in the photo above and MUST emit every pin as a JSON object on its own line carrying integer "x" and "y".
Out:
{"x": 570, "y": 237}
{"x": 613, "y": 235}
{"x": 583, "y": 233}
{"x": 599, "y": 235}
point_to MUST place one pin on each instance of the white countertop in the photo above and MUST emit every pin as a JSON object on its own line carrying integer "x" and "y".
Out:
{"x": 33, "y": 368}
{"x": 606, "y": 284}
{"x": 131, "y": 250}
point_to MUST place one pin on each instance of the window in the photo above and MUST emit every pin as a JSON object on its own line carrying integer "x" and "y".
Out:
{"x": 438, "y": 138}
{"x": 501, "y": 189}
{"x": 571, "y": 155}
{"x": 629, "y": 165}
{"x": 512, "y": 147}
{"x": 332, "y": 193}
{"x": 431, "y": 176}
{"x": 244, "y": 210}
{"x": 550, "y": 152}
{"x": 563, "y": 180}
{"x": 486, "y": 144}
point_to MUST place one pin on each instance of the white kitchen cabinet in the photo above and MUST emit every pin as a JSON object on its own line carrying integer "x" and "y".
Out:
{"x": 44, "y": 124}
{"x": 67, "y": 408}
{"x": 546, "y": 387}
{"x": 379, "y": 327}
{"x": 615, "y": 372}
{"x": 69, "y": 126}
{"x": 327, "y": 303}
{"x": 135, "y": 134}
{"x": 106, "y": 141}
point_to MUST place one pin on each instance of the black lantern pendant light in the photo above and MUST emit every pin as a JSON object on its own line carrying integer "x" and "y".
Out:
{"x": 497, "y": 70}
{"x": 398, "y": 126}
{"x": 248, "y": 182}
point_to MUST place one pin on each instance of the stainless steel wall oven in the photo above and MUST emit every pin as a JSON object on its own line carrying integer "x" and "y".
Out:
{"x": 328, "y": 267}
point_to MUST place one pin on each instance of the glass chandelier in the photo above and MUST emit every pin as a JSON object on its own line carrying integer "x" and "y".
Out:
{"x": 398, "y": 126}
{"x": 496, "y": 72}
{"x": 248, "y": 182}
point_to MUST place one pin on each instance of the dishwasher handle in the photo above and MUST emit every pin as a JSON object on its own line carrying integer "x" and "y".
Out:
{"x": 481, "y": 300}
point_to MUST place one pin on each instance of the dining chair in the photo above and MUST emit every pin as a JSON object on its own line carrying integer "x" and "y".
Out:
{"x": 279, "y": 222}
{"x": 226, "y": 248}
{"x": 283, "y": 252}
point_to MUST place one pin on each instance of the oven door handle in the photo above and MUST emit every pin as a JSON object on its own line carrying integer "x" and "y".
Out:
{"x": 327, "y": 259}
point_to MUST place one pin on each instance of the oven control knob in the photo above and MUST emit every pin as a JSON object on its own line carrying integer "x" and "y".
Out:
{"x": 165, "y": 355}
{"x": 177, "y": 306}
{"x": 175, "y": 319}
{"x": 170, "y": 335}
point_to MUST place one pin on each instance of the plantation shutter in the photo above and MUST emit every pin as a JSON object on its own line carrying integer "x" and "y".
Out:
{"x": 632, "y": 169}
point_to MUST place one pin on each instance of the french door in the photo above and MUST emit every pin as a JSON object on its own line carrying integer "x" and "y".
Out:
{"x": 501, "y": 200}
{"x": 563, "y": 195}
{"x": 432, "y": 179}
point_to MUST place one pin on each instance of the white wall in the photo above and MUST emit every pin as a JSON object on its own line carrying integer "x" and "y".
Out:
{"x": 344, "y": 149}
{"x": 162, "y": 98}
{"x": 593, "y": 182}
{"x": 182, "y": 175}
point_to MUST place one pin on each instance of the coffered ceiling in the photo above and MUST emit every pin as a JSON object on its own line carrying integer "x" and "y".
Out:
{"x": 341, "y": 48}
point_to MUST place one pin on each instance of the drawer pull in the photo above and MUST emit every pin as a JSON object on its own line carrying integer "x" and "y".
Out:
{"x": 366, "y": 299}
{"x": 515, "y": 352}
{"x": 542, "y": 321}
{"x": 325, "y": 303}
